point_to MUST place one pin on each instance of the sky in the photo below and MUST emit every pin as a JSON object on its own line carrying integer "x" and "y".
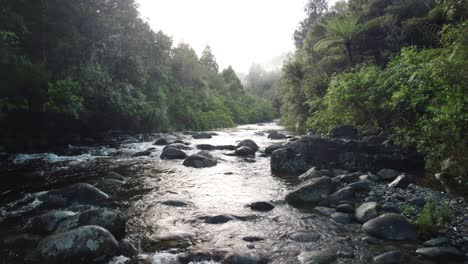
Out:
{"x": 239, "y": 32}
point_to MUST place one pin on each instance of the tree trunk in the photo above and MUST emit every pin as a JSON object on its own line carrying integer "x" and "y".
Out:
{"x": 349, "y": 52}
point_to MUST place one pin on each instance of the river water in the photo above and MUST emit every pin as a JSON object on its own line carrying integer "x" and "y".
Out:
{"x": 225, "y": 189}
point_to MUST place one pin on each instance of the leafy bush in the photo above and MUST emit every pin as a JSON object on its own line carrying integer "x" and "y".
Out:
{"x": 433, "y": 218}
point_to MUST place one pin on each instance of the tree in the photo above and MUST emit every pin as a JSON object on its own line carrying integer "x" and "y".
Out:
{"x": 208, "y": 60}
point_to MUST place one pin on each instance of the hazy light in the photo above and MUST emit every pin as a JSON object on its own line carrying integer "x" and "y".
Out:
{"x": 239, "y": 32}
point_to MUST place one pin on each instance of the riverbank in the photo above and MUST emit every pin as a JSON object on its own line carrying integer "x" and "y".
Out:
{"x": 234, "y": 210}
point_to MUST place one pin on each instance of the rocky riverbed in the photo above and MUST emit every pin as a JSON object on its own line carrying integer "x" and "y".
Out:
{"x": 252, "y": 194}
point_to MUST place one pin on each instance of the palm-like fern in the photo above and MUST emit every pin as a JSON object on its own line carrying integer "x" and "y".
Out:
{"x": 340, "y": 31}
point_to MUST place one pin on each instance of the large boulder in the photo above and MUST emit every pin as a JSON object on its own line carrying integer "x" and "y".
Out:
{"x": 390, "y": 227}
{"x": 344, "y": 132}
{"x": 269, "y": 150}
{"x": 87, "y": 244}
{"x": 310, "y": 151}
{"x": 248, "y": 143}
{"x": 201, "y": 159}
{"x": 367, "y": 211}
{"x": 179, "y": 146}
{"x": 311, "y": 192}
{"x": 244, "y": 152}
{"x": 112, "y": 220}
{"x": 46, "y": 224}
{"x": 173, "y": 153}
{"x": 202, "y": 135}
{"x": 277, "y": 135}
{"x": 344, "y": 194}
{"x": 80, "y": 193}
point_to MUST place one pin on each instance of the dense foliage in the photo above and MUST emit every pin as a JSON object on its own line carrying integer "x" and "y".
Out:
{"x": 397, "y": 67}
{"x": 75, "y": 66}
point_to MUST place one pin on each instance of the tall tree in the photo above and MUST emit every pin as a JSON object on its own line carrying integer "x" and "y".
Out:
{"x": 209, "y": 60}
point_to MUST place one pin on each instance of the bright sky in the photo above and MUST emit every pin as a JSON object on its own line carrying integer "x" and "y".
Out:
{"x": 239, "y": 32}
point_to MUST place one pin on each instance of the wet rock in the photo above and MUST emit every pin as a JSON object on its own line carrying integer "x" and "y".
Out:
{"x": 323, "y": 256}
{"x": 402, "y": 181}
{"x": 173, "y": 153}
{"x": 342, "y": 218}
{"x": 87, "y": 244}
{"x": 366, "y": 212}
{"x": 128, "y": 248}
{"x": 390, "y": 227}
{"x": 345, "y": 194}
{"x": 261, "y": 206}
{"x": 391, "y": 208}
{"x": 175, "y": 203}
{"x": 200, "y": 160}
{"x": 168, "y": 241}
{"x": 350, "y": 178}
{"x": 241, "y": 259}
{"x": 304, "y": 237}
{"x": 112, "y": 220}
{"x": 347, "y": 131}
{"x": 360, "y": 186}
{"x": 219, "y": 219}
{"x": 115, "y": 176}
{"x": 80, "y": 193}
{"x": 311, "y": 174}
{"x": 253, "y": 238}
{"x": 392, "y": 257}
{"x": 326, "y": 211}
{"x": 179, "y": 146}
{"x": 109, "y": 184}
{"x": 442, "y": 254}
{"x": 225, "y": 147}
{"x": 142, "y": 153}
{"x": 206, "y": 147}
{"x": 437, "y": 242}
{"x": 311, "y": 192}
{"x": 309, "y": 151}
{"x": 244, "y": 151}
{"x": 46, "y": 224}
{"x": 248, "y": 143}
{"x": 276, "y": 135}
{"x": 202, "y": 135}
{"x": 269, "y": 150}
{"x": 387, "y": 174}
{"x": 419, "y": 201}
{"x": 345, "y": 208}
{"x": 162, "y": 141}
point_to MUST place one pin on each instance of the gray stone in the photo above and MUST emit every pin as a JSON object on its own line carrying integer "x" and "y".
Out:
{"x": 244, "y": 152}
{"x": 248, "y": 143}
{"x": 419, "y": 201}
{"x": 80, "y": 193}
{"x": 87, "y": 244}
{"x": 245, "y": 259}
{"x": 326, "y": 211}
{"x": 323, "y": 256}
{"x": 173, "y": 153}
{"x": 371, "y": 240}
{"x": 219, "y": 219}
{"x": 269, "y": 150}
{"x": 115, "y": 176}
{"x": 179, "y": 146}
{"x": 360, "y": 186}
{"x": 276, "y": 135}
{"x": 346, "y": 208}
{"x": 261, "y": 206}
{"x": 387, "y": 174}
{"x": 167, "y": 241}
{"x": 202, "y": 135}
{"x": 175, "y": 203}
{"x": 305, "y": 237}
{"x": 345, "y": 194}
{"x": 311, "y": 192}
{"x": 346, "y": 131}
{"x": 200, "y": 160}
{"x": 46, "y": 224}
{"x": 342, "y": 218}
{"x": 441, "y": 253}
{"x": 390, "y": 227}
{"x": 437, "y": 242}
{"x": 310, "y": 174}
{"x": 367, "y": 211}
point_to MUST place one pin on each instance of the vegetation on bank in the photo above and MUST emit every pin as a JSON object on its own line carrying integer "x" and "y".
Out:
{"x": 394, "y": 67}
{"x": 73, "y": 66}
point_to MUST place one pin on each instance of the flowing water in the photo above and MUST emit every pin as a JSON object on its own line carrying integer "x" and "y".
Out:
{"x": 225, "y": 189}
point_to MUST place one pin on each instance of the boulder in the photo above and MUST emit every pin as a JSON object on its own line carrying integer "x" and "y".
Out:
{"x": 179, "y": 146}
{"x": 441, "y": 254}
{"x": 311, "y": 151}
{"x": 142, "y": 153}
{"x": 345, "y": 194}
{"x": 261, "y": 206}
{"x": 46, "y": 224}
{"x": 248, "y": 143}
{"x": 391, "y": 257}
{"x": 202, "y": 135}
{"x": 326, "y": 211}
{"x": 311, "y": 192}
{"x": 201, "y": 159}
{"x": 269, "y": 150}
{"x": 173, "y": 153}
{"x": 387, "y": 174}
{"x": 390, "y": 227}
{"x": 206, "y": 147}
{"x": 347, "y": 131}
{"x": 342, "y": 218}
{"x": 346, "y": 208}
{"x": 109, "y": 184}
{"x": 112, "y": 220}
{"x": 245, "y": 259}
{"x": 226, "y": 147}
{"x": 360, "y": 186}
{"x": 115, "y": 176}
{"x": 277, "y": 135}
{"x": 162, "y": 141}
{"x": 244, "y": 152}
{"x": 86, "y": 244}
{"x": 310, "y": 174}
{"x": 366, "y": 212}
{"x": 80, "y": 193}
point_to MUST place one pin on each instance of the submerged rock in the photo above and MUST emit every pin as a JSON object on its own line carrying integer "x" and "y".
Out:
{"x": 261, "y": 206}
{"x": 277, "y": 135}
{"x": 87, "y": 244}
{"x": 80, "y": 193}
{"x": 311, "y": 192}
{"x": 179, "y": 146}
{"x": 390, "y": 227}
{"x": 175, "y": 203}
{"x": 244, "y": 151}
{"x": 202, "y": 159}
{"x": 202, "y": 135}
{"x": 441, "y": 253}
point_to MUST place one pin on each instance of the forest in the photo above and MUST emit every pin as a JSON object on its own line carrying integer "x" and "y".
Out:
{"x": 396, "y": 68}
{"x": 83, "y": 67}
